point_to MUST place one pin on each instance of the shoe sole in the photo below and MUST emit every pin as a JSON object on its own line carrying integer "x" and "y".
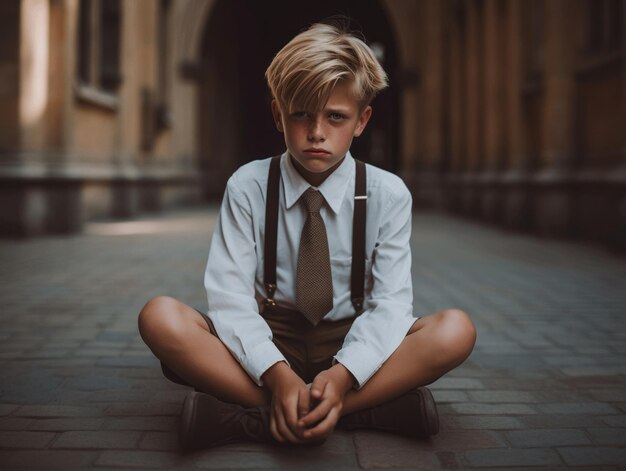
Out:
{"x": 186, "y": 417}
{"x": 429, "y": 412}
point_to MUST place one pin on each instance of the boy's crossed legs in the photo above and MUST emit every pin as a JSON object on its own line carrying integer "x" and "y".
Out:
{"x": 180, "y": 337}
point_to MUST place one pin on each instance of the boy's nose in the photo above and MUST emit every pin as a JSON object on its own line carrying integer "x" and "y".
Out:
{"x": 316, "y": 131}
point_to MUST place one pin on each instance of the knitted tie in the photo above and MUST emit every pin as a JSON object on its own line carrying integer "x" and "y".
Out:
{"x": 314, "y": 283}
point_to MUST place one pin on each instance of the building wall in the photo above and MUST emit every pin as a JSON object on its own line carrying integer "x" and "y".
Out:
{"x": 511, "y": 112}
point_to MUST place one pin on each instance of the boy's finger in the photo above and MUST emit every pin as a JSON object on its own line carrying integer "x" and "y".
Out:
{"x": 285, "y": 431}
{"x": 304, "y": 403}
{"x": 274, "y": 430}
{"x": 318, "y": 387}
{"x": 317, "y": 414}
{"x": 324, "y": 427}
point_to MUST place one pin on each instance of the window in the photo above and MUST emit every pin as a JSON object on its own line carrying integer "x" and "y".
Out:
{"x": 98, "y": 49}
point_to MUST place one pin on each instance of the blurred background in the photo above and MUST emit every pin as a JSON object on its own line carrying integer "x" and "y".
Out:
{"x": 511, "y": 112}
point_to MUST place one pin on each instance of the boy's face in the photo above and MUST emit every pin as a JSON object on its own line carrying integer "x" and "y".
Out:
{"x": 319, "y": 140}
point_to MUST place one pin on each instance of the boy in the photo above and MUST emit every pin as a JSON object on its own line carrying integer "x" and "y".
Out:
{"x": 310, "y": 321}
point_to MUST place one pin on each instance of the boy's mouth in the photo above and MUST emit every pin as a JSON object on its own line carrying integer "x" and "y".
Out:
{"x": 316, "y": 151}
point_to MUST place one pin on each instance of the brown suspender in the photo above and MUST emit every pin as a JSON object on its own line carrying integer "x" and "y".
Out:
{"x": 357, "y": 278}
{"x": 358, "y": 234}
{"x": 271, "y": 229}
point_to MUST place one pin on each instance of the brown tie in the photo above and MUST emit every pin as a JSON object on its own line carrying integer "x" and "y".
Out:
{"x": 314, "y": 283}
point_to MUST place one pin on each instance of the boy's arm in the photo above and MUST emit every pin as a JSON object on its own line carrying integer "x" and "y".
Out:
{"x": 388, "y": 316}
{"x": 229, "y": 281}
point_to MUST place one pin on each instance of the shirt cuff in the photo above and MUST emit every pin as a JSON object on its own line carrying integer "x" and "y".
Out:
{"x": 360, "y": 361}
{"x": 260, "y": 358}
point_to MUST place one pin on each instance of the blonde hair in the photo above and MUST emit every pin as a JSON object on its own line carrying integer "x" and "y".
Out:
{"x": 304, "y": 72}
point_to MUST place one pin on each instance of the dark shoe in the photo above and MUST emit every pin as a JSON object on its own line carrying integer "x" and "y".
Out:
{"x": 206, "y": 421}
{"x": 413, "y": 414}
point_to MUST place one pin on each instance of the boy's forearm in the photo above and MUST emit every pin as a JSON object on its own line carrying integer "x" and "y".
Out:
{"x": 275, "y": 373}
{"x": 342, "y": 375}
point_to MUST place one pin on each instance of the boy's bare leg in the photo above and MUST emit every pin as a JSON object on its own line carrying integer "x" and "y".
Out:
{"x": 434, "y": 345}
{"x": 179, "y": 336}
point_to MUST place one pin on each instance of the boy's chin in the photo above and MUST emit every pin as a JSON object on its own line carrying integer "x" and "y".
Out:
{"x": 316, "y": 164}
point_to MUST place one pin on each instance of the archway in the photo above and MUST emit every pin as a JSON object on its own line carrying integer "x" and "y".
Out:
{"x": 240, "y": 39}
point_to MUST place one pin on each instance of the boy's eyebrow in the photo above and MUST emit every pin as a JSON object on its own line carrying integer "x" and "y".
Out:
{"x": 337, "y": 109}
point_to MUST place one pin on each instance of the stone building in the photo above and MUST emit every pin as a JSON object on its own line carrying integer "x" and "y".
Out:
{"x": 508, "y": 111}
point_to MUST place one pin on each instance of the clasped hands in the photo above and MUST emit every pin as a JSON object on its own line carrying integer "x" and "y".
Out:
{"x": 302, "y": 415}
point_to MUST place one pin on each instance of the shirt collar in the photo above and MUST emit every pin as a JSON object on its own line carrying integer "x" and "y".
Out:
{"x": 333, "y": 189}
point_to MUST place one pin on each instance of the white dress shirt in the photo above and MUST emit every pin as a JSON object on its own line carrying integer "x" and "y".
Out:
{"x": 234, "y": 273}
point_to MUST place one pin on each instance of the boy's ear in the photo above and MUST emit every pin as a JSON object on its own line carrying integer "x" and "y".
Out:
{"x": 363, "y": 119}
{"x": 277, "y": 115}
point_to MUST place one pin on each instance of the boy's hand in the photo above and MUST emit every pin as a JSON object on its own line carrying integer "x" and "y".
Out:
{"x": 290, "y": 400}
{"x": 328, "y": 390}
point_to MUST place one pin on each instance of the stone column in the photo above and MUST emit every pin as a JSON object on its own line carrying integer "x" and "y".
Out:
{"x": 552, "y": 213}
{"x": 493, "y": 109}
{"x": 457, "y": 27}
{"x": 618, "y": 236}
{"x": 470, "y": 200}
{"x": 429, "y": 183}
{"x": 515, "y": 180}
{"x": 63, "y": 194}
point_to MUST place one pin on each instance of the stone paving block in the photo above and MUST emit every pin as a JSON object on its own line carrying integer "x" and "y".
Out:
{"x": 159, "y": 441}
{"x": 448, "y": 395}
{"x": 152, "y": 408}
{"x": 608, "y": 436}
{"x": 547, "y": 438}
{"x": 514, "y": 384}
{"x": 121, "y": 396}
{"x": 30, "y": 387}
{"x": 99, "y": 352}
{"x": 457, "y": 383}
{"x": 141, "y": 459}
{"x": 97, "y": 440}
{"x": 95, "y": 382}
{"x": 540, "y": 421}
{"x": 6, "y": 409}
{"x": 65, "y": 424}
{"x": 591, "y": 408}
{"x": 336, "y": 453}
{"x": 57, "y": 411}
{"x": 503, "y": 396}
{"x": 466, "y": 440}
{"x": 141, "y": 423}
{"x": 593, "y": 456}
{"x": 176, "y": 396}
{"x": 594, "y": 370}
{"x": 19, "y": 439}
{"x": 51, "y": 459}
{"x": 376, "y": 450}
{"x": 128, "y": 361}
{"x": 474, "y": 408}
{"x": 512, "y": 457}
{"x": 615, "y": 420}
{"x": 481, "y": 422}
{"x": 607, "y": 395}
{"x": 14, "y": 423}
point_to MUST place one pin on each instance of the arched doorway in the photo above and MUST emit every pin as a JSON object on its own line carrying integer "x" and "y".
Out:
{"x": 240, "y": 40}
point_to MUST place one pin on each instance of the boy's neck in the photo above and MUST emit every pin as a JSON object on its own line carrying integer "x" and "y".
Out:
{"x": 315, "y": 179}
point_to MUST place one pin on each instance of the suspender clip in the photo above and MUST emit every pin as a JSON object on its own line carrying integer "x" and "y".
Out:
{"x": 357, "y": 303}
{"x": 360, "y": 197}
{"x": 271, "y": 289}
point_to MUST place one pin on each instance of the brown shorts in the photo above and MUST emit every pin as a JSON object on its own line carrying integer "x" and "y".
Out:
{"x": 308, "y": 349}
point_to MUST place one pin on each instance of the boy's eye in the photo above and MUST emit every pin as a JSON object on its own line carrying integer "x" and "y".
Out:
{"x": 300, "y": 114}
{"x": 336, "y": 116}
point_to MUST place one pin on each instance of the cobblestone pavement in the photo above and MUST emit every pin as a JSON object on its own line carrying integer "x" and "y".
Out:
{"x": 545, "y": 386}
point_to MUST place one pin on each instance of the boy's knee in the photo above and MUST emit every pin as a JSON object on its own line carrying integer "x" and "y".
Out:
{"x": 158, "y": 316}
{"x": 458, "y": 332}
